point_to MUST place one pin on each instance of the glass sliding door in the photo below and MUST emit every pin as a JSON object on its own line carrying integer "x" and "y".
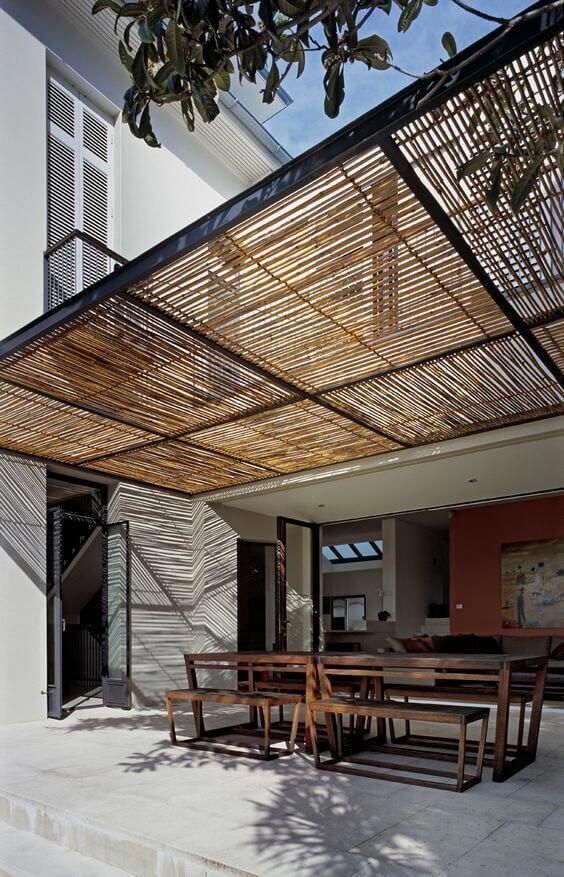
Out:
{"x": 116, "y": 672}
{"x": 298, "y": 585}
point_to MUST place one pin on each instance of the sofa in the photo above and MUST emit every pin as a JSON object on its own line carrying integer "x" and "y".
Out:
{"x": 551, "y": 646}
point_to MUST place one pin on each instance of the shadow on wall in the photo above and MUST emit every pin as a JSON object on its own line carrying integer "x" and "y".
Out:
{"x": 23, "y": 515}
{"x": 183, "y": 585}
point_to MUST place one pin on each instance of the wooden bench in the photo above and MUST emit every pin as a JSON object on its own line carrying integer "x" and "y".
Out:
{"x": 456, "y": 694}
{"x": 335, "y": 707}
{"x": 257, "y": 700}
{"x": 242, "y": 667}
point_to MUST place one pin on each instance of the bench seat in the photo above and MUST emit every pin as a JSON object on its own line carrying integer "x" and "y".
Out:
{"x": 335, "y": 707}
{"x": 255, "y": 700}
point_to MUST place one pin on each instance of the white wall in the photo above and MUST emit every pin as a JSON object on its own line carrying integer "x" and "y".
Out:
{"x": 183, "y": 582}
{"x": 23, "y": 176}
{"x": 23, "y": 623}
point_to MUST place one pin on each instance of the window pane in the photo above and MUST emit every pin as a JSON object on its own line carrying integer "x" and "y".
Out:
{"x": 328, "y": 552}
{"x": 366, "y": 549}
{"x": 345, "y": 551}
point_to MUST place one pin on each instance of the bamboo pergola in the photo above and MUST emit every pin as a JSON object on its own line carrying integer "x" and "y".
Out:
{"x": 360, "y": 300}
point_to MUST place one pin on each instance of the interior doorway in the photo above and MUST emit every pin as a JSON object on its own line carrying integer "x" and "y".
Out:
{"x": 256, "y": 596}
{"x": 87, "y": 598}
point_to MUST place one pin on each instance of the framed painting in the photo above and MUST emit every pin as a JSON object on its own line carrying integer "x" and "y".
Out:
{"x": 532, "y": 584}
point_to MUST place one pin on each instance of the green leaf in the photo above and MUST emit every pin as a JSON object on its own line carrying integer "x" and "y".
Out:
{"x": 375, "y": 51}
{"x": 525, "y": 183}
{"x": 449, "y": 44}
{"x": 494, "y": 190}
{"x": 473, "y": 164}
{"x": 131, "y": 10}
{"x": 188, "y": 112}
{"x": 409, "y": 13}
{"x": 105, "y": 4}
{"x": 222, "y": 80}
{"x": 175, "y": 46}
{"x": 146, "y": 129}
{"x": 430, "y": 2}
{"x": 334, "y": 82}
{"x": 124, "y": 56}
{"x": 138, "y": 68}
{"x": 205, "y": 104}
{"x": 272, "y": 83}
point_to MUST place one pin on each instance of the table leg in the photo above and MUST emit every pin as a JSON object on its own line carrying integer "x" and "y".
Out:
{"x": 502, "y": 724}
{"x": 378, "y": 688}
{"x": 536, "y": 711}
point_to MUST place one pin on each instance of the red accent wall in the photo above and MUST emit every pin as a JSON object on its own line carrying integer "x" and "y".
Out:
{"x": 476, "y": 536}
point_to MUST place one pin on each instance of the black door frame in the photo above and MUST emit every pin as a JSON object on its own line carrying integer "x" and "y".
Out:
{"x": 115, "y": 692}
{"x": 281, "y": 581}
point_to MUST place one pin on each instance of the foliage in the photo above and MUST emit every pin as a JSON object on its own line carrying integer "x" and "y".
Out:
{"x": 521, "y": 133}
{"x": 185, "y": 51}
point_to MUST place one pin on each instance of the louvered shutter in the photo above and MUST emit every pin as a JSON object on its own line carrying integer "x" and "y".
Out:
{"x": 79, "y": 165}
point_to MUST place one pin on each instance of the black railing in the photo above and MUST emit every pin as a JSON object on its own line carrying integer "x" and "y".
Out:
{"x": 75, "y": 262}
{"x": 82, "y": 658}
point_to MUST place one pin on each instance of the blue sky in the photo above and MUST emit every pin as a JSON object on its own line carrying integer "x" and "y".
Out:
{"x": 304, "y": 123}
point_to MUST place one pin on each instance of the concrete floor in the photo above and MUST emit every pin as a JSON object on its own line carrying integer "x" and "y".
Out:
{"x": 108, "y": 785}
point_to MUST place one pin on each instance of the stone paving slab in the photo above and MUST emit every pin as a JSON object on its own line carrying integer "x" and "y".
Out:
{"x": 102, "y": 774}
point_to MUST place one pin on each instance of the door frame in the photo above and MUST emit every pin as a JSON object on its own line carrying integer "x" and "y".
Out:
{"x": 54, "y": 689}
{"x": 281, "y": 581}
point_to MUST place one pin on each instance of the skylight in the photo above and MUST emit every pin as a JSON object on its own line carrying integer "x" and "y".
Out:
{"x": 353, "y": 552}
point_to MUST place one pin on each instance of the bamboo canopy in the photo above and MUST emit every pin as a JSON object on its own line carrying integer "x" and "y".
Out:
{"x": 359, "y": 301}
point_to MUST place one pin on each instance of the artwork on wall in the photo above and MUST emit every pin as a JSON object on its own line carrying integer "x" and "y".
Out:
{"x": 532, "y": 584}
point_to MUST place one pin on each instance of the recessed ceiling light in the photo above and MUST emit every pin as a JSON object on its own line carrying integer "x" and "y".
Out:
{"x": 472, "y": 480}
{"x": 321, "y": 505}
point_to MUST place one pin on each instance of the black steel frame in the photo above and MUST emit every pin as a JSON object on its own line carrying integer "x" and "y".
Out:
{"x": 374, "y": 128}
{"x": 371, "y": 129}
{"x": 281, "y": 580}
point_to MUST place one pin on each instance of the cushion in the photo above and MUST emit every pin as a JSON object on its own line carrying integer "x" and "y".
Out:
{"x": 525, "y": 645}
{"x": 395, "y": 644}
{"x": 557, "y": 654}
{"x": 419, "y": 644}
{"x": 463, "y": 644}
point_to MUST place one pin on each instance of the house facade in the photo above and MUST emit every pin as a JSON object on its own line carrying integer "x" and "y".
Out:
{"x": 230, "y": 444}
{"x": 67, "y": 163}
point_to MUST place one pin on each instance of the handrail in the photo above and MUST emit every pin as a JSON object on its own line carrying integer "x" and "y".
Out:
{"x": 88, "y": 239}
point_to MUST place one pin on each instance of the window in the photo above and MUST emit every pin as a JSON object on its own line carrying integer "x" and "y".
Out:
{"x": 353, "y": 552}
{"x": 347, "y": 612}
{"x": 79, "y": 190}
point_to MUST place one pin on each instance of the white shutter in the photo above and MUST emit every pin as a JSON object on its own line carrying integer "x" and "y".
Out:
{"x": 79, "y": 163}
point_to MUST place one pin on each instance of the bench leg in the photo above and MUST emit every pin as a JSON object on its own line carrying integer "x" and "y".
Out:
{"x": 295, "y": 724}
{"x": 482, "y": 748}
{"x": 339, "y": 721}
{"x": 407, "y": 722}
{"x": 461, "y": 757}
{"x": 522, "y": 708}
{"x": 267, "y": 731}
{"x": 313, "y": 735}
{"x": 261, "y": 716}
{"x": 280, "y": 713}
{"x": 198, "y": 711}
{"x": 171, "y": 728}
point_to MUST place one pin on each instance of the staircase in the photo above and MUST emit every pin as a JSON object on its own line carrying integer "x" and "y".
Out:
{"x": 43, "y": 840}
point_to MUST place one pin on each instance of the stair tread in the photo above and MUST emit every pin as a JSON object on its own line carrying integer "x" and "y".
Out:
{"x": 23, "y": 854}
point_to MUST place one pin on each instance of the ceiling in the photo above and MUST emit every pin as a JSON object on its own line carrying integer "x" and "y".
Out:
{"x": 359, "y": 302}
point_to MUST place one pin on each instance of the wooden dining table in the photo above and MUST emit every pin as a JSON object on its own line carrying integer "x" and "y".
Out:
{"x": 370, "y": 670}
{"x": 493, "y": 670}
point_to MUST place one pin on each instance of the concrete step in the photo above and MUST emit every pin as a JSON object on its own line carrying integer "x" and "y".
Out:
{"x": 121, "y": 852}
{"x": 23, "y": 854}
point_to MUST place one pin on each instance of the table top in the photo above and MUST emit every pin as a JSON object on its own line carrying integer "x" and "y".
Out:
{"x": 381, "y": 659}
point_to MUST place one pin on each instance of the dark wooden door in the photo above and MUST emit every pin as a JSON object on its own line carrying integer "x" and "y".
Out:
{"x": 251, "y": 596}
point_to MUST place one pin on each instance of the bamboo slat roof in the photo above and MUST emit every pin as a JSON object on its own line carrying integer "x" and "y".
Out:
{"x": 359, "y": 301}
